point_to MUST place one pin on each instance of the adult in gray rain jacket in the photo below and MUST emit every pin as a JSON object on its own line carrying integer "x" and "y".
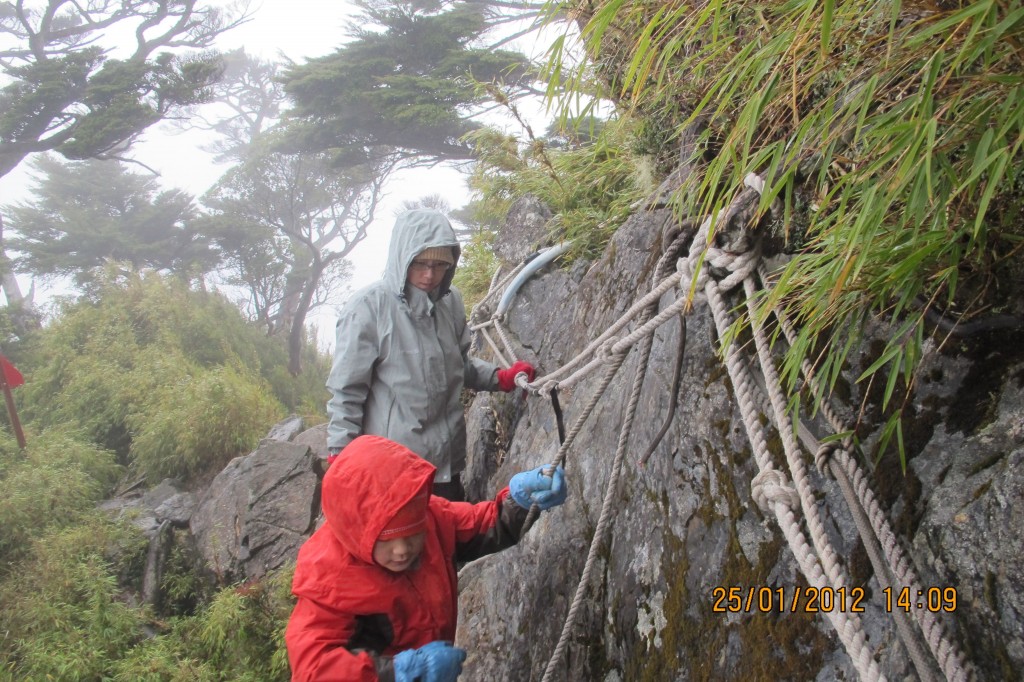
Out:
{"x": 401, "y": 358}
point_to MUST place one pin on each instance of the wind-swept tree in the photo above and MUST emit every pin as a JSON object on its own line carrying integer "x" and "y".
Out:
{"x": 404, "y": 88}
{"x": 249, "y": 102}
{"x": 67, "y": 86}
{"x": 66, "y": 93}
{"x": 86, "y": 214}
{"x": 286, "y": 224}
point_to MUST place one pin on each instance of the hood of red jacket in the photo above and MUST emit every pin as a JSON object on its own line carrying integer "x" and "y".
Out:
{"x": 365, "y": 487}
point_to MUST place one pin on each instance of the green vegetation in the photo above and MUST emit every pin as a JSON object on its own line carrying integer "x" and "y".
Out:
{"x": 174, "y": 381}
{"x": 589, "y": 184}
{"x": 891, "y": 134}
{"x": 141, "y": 376}
{"x": 476, "y": 268}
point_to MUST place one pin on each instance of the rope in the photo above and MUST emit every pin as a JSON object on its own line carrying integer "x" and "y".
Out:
{"x": 864, "y": 505}
{"x": 611, "y": 368}
{"x": 607, "y": 508}
{"x": 770, "y": 488}
{"x": 772, "y": 493}
{"x": 792, "y": 450}
{"x": 577, "y": 427}
{"x": 903, "y": 623}
{"x": 494, "y": 347}
{"x": 673, "y": 394}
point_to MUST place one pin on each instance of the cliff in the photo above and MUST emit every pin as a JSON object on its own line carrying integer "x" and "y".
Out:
{"x": 685, "y": 528}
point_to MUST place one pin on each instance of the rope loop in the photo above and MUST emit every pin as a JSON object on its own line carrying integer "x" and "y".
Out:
{"x": 546, "y": 389}
{"x": 824, "y": 454}
{"x": 685, "y": 266}
{"x": 740, "y": 266}
{"x": 770, "y": 487}
{"x": 607, "y": 350}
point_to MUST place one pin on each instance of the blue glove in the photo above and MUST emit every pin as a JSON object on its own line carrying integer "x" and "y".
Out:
{"x": 546, "y": 490}
{"x": 434, "y": 662}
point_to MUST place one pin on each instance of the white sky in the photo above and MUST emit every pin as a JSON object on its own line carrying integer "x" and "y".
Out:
{"x": 298, "y": 29}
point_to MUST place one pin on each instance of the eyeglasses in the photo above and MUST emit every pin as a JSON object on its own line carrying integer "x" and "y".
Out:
{"x": 424, "y": 265}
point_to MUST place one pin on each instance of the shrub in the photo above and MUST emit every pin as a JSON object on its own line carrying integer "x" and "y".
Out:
{"x": 147, "y": 358}
{"x": 476, "y": 268}
{"x": 200, "y": 423}
{"x": 61, "y": 606}
{"x": 589, "y": 188}
{"x": 54, "y": 482}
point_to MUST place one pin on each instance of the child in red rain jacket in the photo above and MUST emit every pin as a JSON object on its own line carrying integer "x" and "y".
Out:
{"x": 376, "y": 584}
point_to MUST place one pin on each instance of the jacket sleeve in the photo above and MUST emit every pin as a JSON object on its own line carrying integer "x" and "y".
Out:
{"x": 356, "y": 351}
{"x": 314, "y": 638}
{"x": 478, "y": 374}
{"x": 485, "y": 527}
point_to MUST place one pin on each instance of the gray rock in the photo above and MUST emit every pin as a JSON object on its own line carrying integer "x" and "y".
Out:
{"x": 177, "y": 509}
{"x": 257, "y": 511}
{"x": 315, "y": 438}
{"x": 525, "y": 230}
{"x": 286, "y": 430}
{"x": 685, "y": 523}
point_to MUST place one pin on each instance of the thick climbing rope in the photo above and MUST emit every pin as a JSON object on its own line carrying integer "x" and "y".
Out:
{"x": 611, "y": 368}
{"x": 903, "y": 625}
{"x": 771, "y": 489}
{"x": 607, "y": 506}
{"x": 865, "y": 507}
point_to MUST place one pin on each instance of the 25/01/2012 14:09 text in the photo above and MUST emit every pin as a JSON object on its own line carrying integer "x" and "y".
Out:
{"x": 763, "y": 599}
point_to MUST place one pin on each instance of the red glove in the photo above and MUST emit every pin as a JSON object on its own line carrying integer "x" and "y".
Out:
{"x": 507, "y": 377}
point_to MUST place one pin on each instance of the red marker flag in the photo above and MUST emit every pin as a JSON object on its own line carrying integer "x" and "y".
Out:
{"x": 11, "y": 378}
{"x": 11, "y": 373}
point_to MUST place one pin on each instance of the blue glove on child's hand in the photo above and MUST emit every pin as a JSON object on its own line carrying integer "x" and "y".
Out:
{"x": 546, "y": 490}
{"x": 434, "y": 662}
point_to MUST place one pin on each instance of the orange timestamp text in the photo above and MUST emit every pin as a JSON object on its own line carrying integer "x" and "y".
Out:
{"x": 933, "y": 599}
{"x": 794, "y": 599}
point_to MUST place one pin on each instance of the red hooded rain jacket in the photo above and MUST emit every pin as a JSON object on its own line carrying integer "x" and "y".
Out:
{"x": 353, "y": 615}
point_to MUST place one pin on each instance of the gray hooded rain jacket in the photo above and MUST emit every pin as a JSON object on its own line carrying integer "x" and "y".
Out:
{"x": 402, "y": 356}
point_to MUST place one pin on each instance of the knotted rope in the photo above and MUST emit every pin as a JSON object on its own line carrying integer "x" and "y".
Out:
{"x": 706, "y": 273}
{"x": 875, "y": 531}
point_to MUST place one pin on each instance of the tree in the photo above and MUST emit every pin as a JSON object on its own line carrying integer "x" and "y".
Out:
{"x": 252, "y": 95}
{"x": 88, "y": 213}
{"x": 284, "y": 223}
{"x": 66, "y": 93}
{"x": 405, "y": 90}
{"x": 287, "y": 223}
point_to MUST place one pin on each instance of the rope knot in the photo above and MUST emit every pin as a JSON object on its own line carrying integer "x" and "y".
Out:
{"x": 769, "y": 487}
{"x": 686, "y": 267}
{"x": 823, "y": 456}
{"x": 481, "y": 313}
{"x": 546, "y": 388}
{"x": 606, "y": 351}
{"x": 737, "y": 265}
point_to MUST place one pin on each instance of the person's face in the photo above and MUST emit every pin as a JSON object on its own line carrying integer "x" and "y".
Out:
{"x": 427, "y": 275}
{"x": 399, "y": 554}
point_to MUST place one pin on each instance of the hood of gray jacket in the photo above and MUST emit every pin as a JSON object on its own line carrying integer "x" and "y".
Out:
{"x": 415, "y": 231}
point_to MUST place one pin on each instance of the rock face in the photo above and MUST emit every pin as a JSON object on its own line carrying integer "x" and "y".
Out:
{"x": 530, "y": 216}
{"x": 258, "y": 511}
{"x": 685, "y": 525}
